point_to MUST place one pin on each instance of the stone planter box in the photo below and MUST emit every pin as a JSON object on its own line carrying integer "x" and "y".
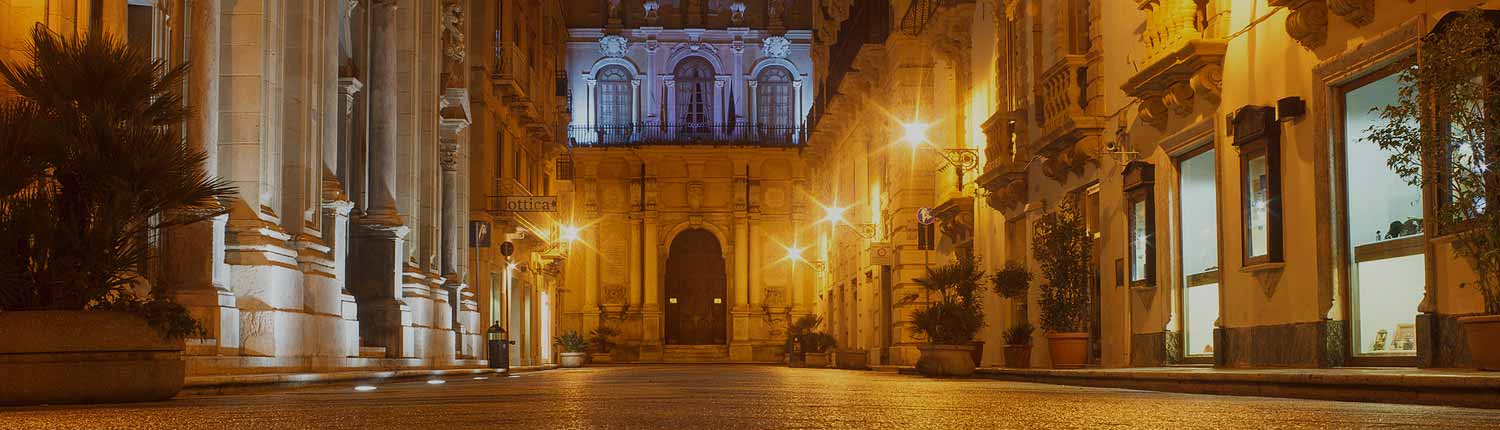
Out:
{"x": 601, "y": 357}
{"x": 1483, "y": 333}
{"x": 817, "y": 360}
{"x": 1018, "y": 356}
{"x": 853, "y": 359}
{"x": 796, "y": 359}
{"x": 58, "y": 357}
{"x": 939, "y": 361}
{"x": 1069, "y": 350}
{"x": 572, "y": 359}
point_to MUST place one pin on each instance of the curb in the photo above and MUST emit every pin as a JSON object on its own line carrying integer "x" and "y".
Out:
{"x": 236, "y": 384}
{"x": 1474, "y": 391}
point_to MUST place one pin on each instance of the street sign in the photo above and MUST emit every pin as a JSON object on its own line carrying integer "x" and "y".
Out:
{"x": 528, "y": 203}
{"x": 924, "y": 216}
{"x": 479, "y": 234}
{"x": 507, "y": 248}
{"x": 926, "y": 237}
{"x": 882, "y": 254}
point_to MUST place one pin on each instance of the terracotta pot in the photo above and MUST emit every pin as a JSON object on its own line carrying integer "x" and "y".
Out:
{"x": 57, "y": 357}
{"x": 978, "y": 353}
{"x": 946, "y": 360}
{"x": 817, "y": 360}
{"x": 1483, "y": 333}
{"x": 1018, "y": 356}
{"x": 572, "y": 359}
{"x": 1069, "y": 350}
{"x": 854, "y": 359}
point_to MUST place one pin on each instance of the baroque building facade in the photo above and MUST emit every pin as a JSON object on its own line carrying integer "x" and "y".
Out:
{"x": 346, "y": 128}
{"x": 688, "y": 118}
{"x": 1215, "y": 148}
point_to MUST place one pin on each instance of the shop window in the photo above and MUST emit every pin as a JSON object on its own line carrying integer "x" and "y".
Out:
{"x": 1141, "y": 217}
{"x": 1386, "y": 267}
{"x": 1198, "y": 236}
{"x": 1258, "y": 137}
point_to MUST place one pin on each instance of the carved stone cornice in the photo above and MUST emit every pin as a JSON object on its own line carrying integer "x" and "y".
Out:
{"x": 1069, "y": 130}
{"x": 1175, "y": 79}
{"x": 957, "y": 216}
{"x": 1006, "y": 184}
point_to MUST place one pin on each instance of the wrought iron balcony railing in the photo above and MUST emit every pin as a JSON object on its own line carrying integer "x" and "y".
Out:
{"x": 686, "y": 134}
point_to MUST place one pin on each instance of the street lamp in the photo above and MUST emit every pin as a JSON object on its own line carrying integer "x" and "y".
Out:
{"x": 835, "y": 215}
{"x": 570, "y": 233}
{"x": 915, "y": 132}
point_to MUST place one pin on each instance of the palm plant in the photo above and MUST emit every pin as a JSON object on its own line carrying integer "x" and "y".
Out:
{"x": 571, "y": 341}
{"x": 957, "y": 313}
{"x": 91, "y": 163}
{"x": 803, "y": 326}
{"x": 602, "y": 339}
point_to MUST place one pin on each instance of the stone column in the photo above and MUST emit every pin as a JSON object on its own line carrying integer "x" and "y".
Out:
{"x": 376, "y": 278}
{"x": 636, "y": 272}
{"x": 454, "y": 114}
{"x": 753, "y": 103}
{"x": 193, "y": 254}
{"x": 739, "y": 344}
{"x": 651, "y": 324}
{"x": 757, "y": 255}
{"x": 384, "y": 115}
{"x": 591, "y": 276}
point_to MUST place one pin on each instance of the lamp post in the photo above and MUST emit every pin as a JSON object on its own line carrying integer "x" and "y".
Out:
{"x": 962, "y": 159}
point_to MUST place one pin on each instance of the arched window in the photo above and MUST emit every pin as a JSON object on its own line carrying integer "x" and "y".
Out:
{"x": 613, "y": 110}
{"x": 694, "y": 79}
{"x": 775, "y": 100}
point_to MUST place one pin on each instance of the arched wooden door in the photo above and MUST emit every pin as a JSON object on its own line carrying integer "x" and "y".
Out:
{"x": 696, "y": 302}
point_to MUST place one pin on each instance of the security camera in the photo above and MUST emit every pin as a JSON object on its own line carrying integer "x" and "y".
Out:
{"x": 1112, "y": 146}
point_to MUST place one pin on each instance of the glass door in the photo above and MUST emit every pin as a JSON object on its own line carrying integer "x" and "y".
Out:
{"x": 1385, "y": 264}
{"x": 1199, "y": 253}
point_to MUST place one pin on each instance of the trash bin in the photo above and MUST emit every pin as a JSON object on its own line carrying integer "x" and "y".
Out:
{"x": 499, "y": 347}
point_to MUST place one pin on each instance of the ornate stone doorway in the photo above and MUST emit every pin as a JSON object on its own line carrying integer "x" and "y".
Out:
{"x": 696, "y": 290}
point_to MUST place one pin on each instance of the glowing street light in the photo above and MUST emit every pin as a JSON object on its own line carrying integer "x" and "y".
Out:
{"x": 915, "y": 132}
{"x": 794, "y": 254}
{"x": 570, "y": 233}
{"x": 834, "y": 214}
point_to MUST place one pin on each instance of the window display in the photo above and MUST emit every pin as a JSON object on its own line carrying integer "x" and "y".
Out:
{"x": 1258, "y": 137}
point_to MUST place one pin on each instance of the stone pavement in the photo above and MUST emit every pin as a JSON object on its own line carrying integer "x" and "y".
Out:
{"x": 1467, "y": 388}
{"x": 728, "y": 397}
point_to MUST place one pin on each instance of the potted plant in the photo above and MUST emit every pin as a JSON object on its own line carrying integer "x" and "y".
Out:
{"x": 1013, "y": 282}
{"x": 795, "y": 354}
{"x": 1062, "y": 249}
{"x": 602, "y": 344}
{"x": 92, "y": 166}
{"x": 815, "y": 347}
{"x": 574, "y": 349}
{"x": 1443, "y": 137}
{"x": 948, "y": 318}
{"x": 1018, "y": 345}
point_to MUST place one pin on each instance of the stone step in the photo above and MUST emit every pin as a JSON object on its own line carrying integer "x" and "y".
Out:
{"x": 695, "y": 353}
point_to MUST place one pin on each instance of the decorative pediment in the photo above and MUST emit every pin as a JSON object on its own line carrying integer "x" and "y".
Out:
{"x": 1308, "y": 22}
{"x": 1176, "y": 79}
{"x": 613, "y": 46}
{"x": 776, "y": 47}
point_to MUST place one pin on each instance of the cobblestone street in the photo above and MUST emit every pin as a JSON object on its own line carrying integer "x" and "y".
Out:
{"x": 725, "y": 397}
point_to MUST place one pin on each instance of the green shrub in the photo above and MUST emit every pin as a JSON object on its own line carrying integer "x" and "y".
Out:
{"x": 1064, "y": 249}
{"x": 956, "y": 315}
{"x": 571, "y": 341}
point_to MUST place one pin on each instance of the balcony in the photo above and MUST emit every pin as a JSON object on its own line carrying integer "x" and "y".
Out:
{"x": 1069, "y": 130}
{"x": 510, "y": 73}
{"x": 686, "y": 135}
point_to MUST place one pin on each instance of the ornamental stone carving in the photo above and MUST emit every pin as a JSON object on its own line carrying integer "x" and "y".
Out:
{"x": 1175, "y": 79}
{"x": 695, "y": 195}
{"x": 737, "y": 12}
{"x": 613, "y": 46}
{"x": 776, "y": 47}
{"x": 1308, "y": 22}
{"x": 455, "y": 45}
{"x": 652, "y": 11}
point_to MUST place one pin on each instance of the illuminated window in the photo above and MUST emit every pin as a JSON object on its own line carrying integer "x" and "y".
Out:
{"x": 1198, "y": 236}
{"x": 1258, "y": 137}
{"x": 694, "y": 81}
{"x": 775, "y": 100}
{"x": 614, "y": 93}
{"x": 1141, "y": 217}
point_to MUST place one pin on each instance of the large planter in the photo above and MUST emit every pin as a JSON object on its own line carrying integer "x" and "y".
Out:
{"x": 796, "y": 359}
{"x": 1018, "y": 356}
{"x": 854, "y": 359}
{"x": 572, "y": 359}
{"x": 939, "y": 361}
{"x": 816, "y": 359}
{"x": 601, "y": 357}
{"x": 1483, "y": 333}
{"x": 57, "y": 357}
{"x": 1069, "y": 350}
